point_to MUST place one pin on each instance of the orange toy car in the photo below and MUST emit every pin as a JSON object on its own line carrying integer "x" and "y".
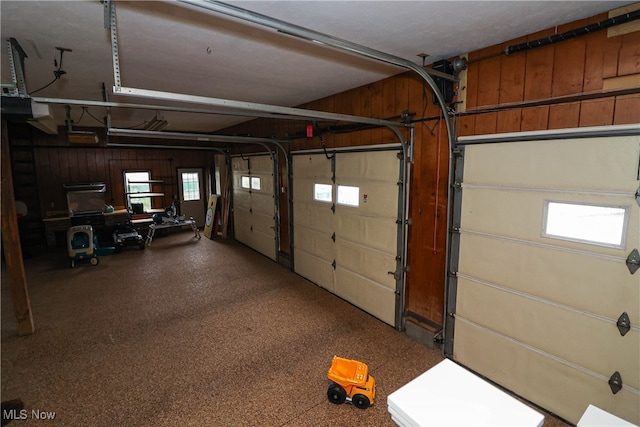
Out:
{"x": 351, "y": 382}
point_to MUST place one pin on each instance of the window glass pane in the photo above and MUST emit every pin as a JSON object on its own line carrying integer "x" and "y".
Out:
{"x": 245, "y": 182}
{"x": 323, "y": 192}
{"x": 604, "y": 225}
{"x": 349, "y": 196}
{"x": 255, "y": 183}
{"x": 136, "y": 182}
{"x": 190, "y": 186}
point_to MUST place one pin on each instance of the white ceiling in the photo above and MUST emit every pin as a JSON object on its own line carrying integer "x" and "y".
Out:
{"x": 170, "y": 46}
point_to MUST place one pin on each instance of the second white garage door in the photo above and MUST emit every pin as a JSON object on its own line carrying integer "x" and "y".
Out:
{"x": 345, "y": 226}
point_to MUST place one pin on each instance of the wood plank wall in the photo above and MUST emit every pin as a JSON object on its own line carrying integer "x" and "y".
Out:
{"x": 59, "y": 162}
{"x": 589, "y": 65}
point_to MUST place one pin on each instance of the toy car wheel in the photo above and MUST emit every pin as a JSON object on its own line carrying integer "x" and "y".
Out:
{"x": 336, "y": 394}
{"x": 94, "y": 261}
{"x": 361, "y": 401}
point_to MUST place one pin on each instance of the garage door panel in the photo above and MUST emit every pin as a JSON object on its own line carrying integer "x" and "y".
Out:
{"x": 541, "y": 379}
{"x": 381, "y": 200}
{"x": 315, "y": 243}
{"x": 375, "y": 233}
{"x": 538, "y": 314}
{"x": 261, "y": 242}
{"x": 241, "y": 199}
{"x": 303, "y": 189}
{"x": 239, "y": 165}
{"x": 316, "y": 269}
{"x": 311, "y": 166}
{"x": 504, "y": 213}
{"x": 263, "y": 223}
{"x": 373, "y": 265}
{"x": 262, "y": 203}
{"x": 521, "y": 163}
{"x": 366, "y": 243}
{"x": 378, "y": 300}
{"x": 589, "y": 342}
{"x": 379, "y": 166}
{"x": 317, "y": 216}
{"x": 253, "y": 213}
{"x": 543, "y": 272}
{"x": 261, "y": 165}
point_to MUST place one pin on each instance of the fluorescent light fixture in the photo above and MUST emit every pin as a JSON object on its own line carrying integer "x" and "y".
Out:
{"x": 80, "y": 137}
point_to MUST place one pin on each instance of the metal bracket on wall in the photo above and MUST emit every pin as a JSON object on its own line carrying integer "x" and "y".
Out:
{"x": 633, "y": 261}
{"x": 615, "y": 382}
{"x": 624, "y": 323}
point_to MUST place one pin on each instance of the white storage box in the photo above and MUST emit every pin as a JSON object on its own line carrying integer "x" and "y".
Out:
{"x": 450, "y": 395}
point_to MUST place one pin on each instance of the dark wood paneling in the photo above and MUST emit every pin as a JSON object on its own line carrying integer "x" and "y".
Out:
{"x": 596, "y": 113}
{"x": 629, "y": 58}
{"x": 627, "y": 110}
{"x": 564, "y": 116}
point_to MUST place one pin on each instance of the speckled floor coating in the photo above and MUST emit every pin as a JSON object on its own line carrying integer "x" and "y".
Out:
{"x": 193, "y": 333}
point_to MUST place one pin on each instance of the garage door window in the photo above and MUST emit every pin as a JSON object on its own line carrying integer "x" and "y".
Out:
{"x": 323, "y": 192}
{"x": 593, "y": 224}
{"x": 256, "y": 183}
{"x": 349, "y": 196}
{"x": 245, "y": 182}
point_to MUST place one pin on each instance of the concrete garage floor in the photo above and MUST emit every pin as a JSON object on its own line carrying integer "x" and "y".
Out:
{"x": 196, "y": 333}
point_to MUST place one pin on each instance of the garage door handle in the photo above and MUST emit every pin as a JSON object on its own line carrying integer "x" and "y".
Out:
{"x": 633, "y": 261}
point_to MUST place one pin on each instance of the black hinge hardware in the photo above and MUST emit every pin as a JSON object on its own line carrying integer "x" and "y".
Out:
{"x": 633, "y": 261}
{"x": 333, "y": 264}
{"x": 333, "y": 208}
{"x": 615, "y": 382}
{"x": 333, "y": 237}
{"x": 624, "y": 323}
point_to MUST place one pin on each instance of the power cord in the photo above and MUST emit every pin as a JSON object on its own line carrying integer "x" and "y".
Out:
{"x": 57, "y": 73}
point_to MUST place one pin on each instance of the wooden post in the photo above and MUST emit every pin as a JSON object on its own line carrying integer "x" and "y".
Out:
{"x": 11, "y": 245}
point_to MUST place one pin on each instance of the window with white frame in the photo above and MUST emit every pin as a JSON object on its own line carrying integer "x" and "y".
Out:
{"x": 136, "y": 186}
{"x": 245, "y": 182}
{"x": 256, "y": 183}
{"x": 323, "y": 192}
{"x": 349, "y": 196}
{"x": 585, "y": 223}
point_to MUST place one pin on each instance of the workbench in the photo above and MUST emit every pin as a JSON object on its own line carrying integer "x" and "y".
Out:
{"x": 165, "y": 225}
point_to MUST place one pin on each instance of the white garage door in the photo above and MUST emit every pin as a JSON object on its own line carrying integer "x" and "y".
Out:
{"x": 345, "y": 230}
{"x": 543, "y": 285}
{"x": 254, "y": 212}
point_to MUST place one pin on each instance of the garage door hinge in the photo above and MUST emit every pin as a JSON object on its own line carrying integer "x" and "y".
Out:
{"x": 457, "y": 184}
{"x": 333, "y": 264}
{"x": 615, "y": 382}
{"x": 633, "y": 261}
{"x": 333, "y": 208}
{"x": 333, "y": 237}
{"x": 624, "y": 323}
{"x": 638, "y": 196}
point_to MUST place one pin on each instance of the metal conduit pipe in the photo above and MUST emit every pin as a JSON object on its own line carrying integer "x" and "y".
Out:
{"x": 316, "y": 37}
